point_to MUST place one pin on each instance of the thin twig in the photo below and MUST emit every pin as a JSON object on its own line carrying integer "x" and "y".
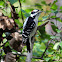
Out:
{"x": 46, "y": 48}
{"x": 6, "y": 5}
{"x": 21, "y": 11}
{"x": 37, "y": 58}
{"x": 31, "y": 5}
{"x": 45, "y": 51}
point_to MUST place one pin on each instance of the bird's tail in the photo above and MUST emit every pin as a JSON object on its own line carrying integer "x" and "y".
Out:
{"x": 28, "y": 45}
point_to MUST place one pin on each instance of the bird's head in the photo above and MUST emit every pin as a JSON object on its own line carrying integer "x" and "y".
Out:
{"x": 35, "y": 13}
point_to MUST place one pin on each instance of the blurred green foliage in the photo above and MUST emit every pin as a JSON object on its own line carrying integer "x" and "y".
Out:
{"x": 41, "y": 38}
{"x": 12, "y": 1}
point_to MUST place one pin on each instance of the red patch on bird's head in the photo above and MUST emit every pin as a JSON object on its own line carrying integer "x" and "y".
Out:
{"x": 32, "y": 11}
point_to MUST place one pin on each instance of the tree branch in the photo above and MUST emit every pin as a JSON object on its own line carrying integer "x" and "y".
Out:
{"x": 45, "y": 22}
{"x": 42, "y": 25}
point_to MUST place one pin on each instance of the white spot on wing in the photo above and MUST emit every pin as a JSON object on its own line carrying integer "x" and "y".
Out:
{"x": 24, "y": 35}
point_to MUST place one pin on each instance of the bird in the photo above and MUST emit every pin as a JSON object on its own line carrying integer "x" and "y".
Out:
{"x": 29, "y": 30}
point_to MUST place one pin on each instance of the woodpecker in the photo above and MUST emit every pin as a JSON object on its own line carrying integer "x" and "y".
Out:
{"x": 29, "y": 29}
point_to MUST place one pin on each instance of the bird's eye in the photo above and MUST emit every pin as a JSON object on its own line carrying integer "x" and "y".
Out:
{"x": 32, "y": 12}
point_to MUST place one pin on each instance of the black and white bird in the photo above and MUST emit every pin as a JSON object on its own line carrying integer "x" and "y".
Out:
{"x": 29, "y": 30}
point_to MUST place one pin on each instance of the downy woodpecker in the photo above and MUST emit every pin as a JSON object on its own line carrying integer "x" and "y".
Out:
{"x": 29, "y": 28}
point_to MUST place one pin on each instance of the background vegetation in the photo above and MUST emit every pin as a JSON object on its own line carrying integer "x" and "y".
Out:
{"x": 48, "y": 39}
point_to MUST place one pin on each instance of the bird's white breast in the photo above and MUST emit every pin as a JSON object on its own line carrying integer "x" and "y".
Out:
{"x": 34, "y": 30}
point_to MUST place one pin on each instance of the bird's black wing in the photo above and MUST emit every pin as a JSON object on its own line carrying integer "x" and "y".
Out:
{"x": 30, "y": 25}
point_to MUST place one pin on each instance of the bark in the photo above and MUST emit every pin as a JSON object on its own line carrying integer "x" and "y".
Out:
{"x": 16, "y": 42}
{"x": 10, "y": 57}
{"x": 6, "y": 22}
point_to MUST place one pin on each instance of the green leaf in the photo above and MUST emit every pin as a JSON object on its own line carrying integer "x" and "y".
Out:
{"x": 52, "y": 22}
{"x": 43, "y": 2}
{"x": 8, "y": 10}
{"x": 53, "y": 16}
{"x": 3, "y": 35}
{"x": 54, "y": 57}
{"x": 23, "y": 11}
{"x": 23, "y": 1}
{"x": 7, "y": 44}
{"x": 14, "y": 51}
{"x": 47, "y": 59}
{"x": 54, "y": 7}
{"x": 50, "y": 52}
{"x": 56, "y": 45}
{"x": 60, "y": 11}
{"x": 59, "y": 19}
{"x": 53, "y": 37}
{"x": 61, "y": 7}
{"x": 39, "y": 23}
{"x": 60, "y": 43}
{"x": 27, "y": 14}
{"x": 18, "y": 22}
{"x": 4, "y": 40}
{"x": 38, "y": 5}
{"x": 55, "y": 2}
{"x": 54, "y": 28}
{"x": 1, "y": 3}
{"x": 58, "y": 31}
{"x": 1, "y": 6}
{"x": 12, "y": 1}
{"x": 3, "y": 53}
{"x": 43, "y": 46}
{"x": 61, "y": 51}
{"x": 45, "y": 17}
{"x": 54, "y": 11}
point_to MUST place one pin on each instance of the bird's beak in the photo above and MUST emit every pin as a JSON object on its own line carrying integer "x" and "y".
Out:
{"x": 40, "y": 11}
